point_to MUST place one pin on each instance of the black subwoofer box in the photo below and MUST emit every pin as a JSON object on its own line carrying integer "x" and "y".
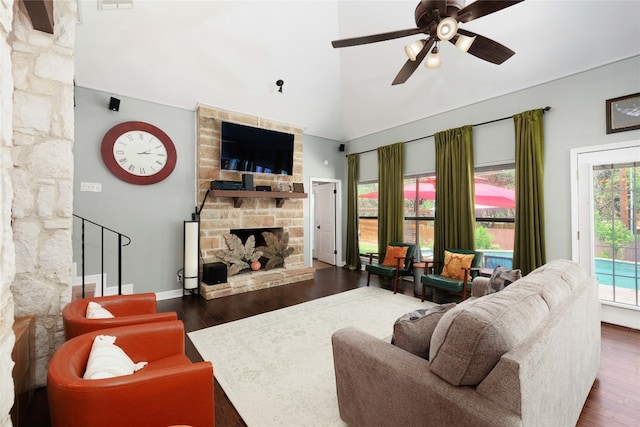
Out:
{"x": 214, "y": 273}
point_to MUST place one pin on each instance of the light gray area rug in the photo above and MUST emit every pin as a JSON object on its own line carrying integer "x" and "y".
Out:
{"x": 277, "y": 367}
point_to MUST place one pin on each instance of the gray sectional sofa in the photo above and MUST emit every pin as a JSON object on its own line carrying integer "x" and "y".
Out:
{"x": 525, "y": 356}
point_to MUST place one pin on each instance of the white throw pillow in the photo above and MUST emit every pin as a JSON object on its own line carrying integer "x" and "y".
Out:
{"x": 96, "y": 311}
{"x": 107, "y": 360}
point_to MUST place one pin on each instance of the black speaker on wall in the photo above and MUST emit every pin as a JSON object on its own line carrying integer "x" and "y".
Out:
{"x": 341, "y": 147}
{"x": 114, "y": 104}
{"x": 247, "y": 182}
{"x": 214, "y": 273}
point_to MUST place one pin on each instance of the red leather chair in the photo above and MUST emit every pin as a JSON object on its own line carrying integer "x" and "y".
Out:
{"x": 170, "y": 390}
{"x": 127, "y": 309}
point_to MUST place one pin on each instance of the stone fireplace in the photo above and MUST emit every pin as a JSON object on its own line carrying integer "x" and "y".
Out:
{"x": 219, "y": 216}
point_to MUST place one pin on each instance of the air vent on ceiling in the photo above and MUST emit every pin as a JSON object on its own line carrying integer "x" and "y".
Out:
{"x": 115, "y": 4}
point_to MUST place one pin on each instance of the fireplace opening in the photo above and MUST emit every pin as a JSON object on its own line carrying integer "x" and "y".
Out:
{"x": 244, "y": 233}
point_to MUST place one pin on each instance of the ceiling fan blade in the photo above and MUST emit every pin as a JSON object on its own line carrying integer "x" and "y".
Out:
{"x": 374, "y": 38}
{"x": 486, "y": 49}
{"x": 410, "y": 66}
{"x": 480, "y": 8}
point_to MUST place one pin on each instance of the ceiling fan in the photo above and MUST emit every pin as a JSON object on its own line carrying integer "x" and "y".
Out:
{"x": 439, "y": 19}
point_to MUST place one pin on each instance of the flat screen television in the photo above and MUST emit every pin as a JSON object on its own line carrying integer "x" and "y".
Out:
{"x": 250, "y": 149}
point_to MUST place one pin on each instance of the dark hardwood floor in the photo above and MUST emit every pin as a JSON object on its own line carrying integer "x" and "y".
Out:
{"x": 614, "y": 399}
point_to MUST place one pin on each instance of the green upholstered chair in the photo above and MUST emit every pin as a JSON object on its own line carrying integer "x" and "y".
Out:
{"x": 394, "y": 271}
{"x": 459, "y": 286}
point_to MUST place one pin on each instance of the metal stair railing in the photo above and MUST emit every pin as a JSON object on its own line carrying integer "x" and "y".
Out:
{"x": 120, "y": 246}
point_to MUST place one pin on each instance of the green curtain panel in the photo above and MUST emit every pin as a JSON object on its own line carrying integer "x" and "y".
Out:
{"x": 529, "y": 246}
{"x": 454, "y": 225}
{"x": 390, "y": 195}
{"x": 352, "y": 256}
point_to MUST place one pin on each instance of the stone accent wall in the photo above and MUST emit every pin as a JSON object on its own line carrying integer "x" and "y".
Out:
{"x": 219, "y": 216}
{"x": 42, "y": 173}
{"x": 7, "y": 252}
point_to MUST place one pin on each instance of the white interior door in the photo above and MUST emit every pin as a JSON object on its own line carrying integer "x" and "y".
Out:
{"x": 325, "y": 222}
{"x": 610, "y": 264}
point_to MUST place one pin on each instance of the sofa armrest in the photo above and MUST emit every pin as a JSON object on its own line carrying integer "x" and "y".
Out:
{"x": 481, "y": 286}
{"x": 378, "y": 381}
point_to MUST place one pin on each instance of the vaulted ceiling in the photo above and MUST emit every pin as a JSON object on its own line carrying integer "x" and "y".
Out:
{"x": 229, "y": 54}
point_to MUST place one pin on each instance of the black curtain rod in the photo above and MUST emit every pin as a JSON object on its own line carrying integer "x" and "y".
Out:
{"x": 547, "y": 108}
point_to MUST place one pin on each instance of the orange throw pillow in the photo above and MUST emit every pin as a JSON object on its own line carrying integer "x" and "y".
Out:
{"x": 393, "y": 252}
{"x": 454, "y": 264}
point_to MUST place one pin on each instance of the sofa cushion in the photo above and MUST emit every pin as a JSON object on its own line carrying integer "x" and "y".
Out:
{"x": 501, "y": 277}
{"x": 454, "y": 264}
{"x": 470, "y": 338}
{"x": 412, "y": 332}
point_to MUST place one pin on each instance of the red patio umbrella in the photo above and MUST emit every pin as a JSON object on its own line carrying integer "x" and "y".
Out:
{"x": 487, "y": 195}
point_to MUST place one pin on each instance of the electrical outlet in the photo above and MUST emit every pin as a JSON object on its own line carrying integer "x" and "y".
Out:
{"x": 179, "y": 278}
{"x": 94, "y": 187}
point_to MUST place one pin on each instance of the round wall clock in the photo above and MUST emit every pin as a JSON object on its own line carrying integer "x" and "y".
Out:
{"x": 138, "y": 153}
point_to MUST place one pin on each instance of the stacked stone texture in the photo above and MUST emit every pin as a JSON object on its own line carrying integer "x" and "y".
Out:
{"x": 219, "y": 216}
{"x": 7, "y": 252}
{"x": 40, "y": 170}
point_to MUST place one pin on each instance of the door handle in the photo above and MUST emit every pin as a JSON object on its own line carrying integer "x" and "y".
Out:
{"x": 318, "y": 227}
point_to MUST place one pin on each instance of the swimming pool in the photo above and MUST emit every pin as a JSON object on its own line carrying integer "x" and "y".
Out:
{"x": 622, "y": 274}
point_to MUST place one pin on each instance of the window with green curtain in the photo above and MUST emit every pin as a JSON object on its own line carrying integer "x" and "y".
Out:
{"x": 529, "y": 247}
{"x": 391, "y": 197}
{"x": 352, "y": 255}
{"x": 454, "y": 224}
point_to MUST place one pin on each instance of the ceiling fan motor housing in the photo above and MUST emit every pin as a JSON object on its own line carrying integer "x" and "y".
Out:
{"x": 428, "y": 13}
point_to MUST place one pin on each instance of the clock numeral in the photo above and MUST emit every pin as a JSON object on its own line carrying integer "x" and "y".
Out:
{"x": 123, "y": 160}
{"x": 130, "y": 137}
{"x": 159, "y": 162}
{"x": 143, "y": 171}
{"x": 161, "y": 155}
{"x": 131, "y": 168}
{"x": 152, "y": 169}
{"x": 141, "y": 135}
{"x": 119, "y": 151}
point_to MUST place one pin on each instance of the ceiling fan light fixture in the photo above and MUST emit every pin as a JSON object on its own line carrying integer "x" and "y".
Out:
{"x": 447, "y": 28}
{"x": 464, "y": 42}
{"x": 412, "y": 50}
{"x": 433, "y": 60}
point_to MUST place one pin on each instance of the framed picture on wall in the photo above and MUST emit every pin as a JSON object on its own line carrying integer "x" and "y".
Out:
{"x": 623, "y": 113}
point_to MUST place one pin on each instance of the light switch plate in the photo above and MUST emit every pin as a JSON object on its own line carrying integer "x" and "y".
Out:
{"x": 94, "y": 187}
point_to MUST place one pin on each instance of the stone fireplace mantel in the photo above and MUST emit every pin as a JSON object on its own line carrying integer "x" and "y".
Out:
{"x": 239, "y": 195}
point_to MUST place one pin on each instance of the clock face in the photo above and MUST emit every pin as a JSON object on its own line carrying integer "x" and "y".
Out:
{"x": 138, "y": 153}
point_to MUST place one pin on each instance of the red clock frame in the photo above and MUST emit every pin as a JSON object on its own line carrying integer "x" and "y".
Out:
{"x": 109, "y": 139}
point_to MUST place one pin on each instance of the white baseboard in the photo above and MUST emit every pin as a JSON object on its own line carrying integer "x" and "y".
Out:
{"x": 174, "y": 293}
{"x": 97, "y": 279}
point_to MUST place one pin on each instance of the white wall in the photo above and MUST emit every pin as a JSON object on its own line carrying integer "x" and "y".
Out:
{"x": 577, "y": 119}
